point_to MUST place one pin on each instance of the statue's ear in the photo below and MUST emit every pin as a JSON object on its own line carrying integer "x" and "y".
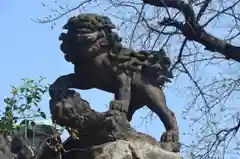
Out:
{"x": 169, "y": 74}
{"x": 119, "y": 39}
{"x": 166, "y": 60}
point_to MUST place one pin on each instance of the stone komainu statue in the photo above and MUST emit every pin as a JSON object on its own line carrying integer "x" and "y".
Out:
{"x": 100, "y": 61}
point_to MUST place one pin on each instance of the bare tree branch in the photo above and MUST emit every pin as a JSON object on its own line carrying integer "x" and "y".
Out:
{"x": 192, "y": 30}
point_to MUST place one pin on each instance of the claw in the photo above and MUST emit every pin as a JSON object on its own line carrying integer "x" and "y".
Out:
{"x": 118, "y": 105}
{"x": 170, "y": 136}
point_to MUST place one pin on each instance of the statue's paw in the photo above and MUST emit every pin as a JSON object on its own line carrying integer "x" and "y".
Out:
{"x": 171, "y": 146}
{"x": 53, "y": 90}
{"x": 119, "y": 105}
{"x": 170, "y": 136}
{"x": 56, "y": 91}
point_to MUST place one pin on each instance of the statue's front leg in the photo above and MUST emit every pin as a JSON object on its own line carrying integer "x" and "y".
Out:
{"x": 122, "y": 94}
{"x": 60, "y": 87}
{"x": 62, "y": 97}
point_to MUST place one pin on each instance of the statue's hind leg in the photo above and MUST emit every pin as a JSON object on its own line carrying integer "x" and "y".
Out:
{"x": 155, "y": 100}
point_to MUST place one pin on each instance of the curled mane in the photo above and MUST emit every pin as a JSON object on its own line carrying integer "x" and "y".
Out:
{"x": 83, "y": 35}
{"x": 89, "y": 35}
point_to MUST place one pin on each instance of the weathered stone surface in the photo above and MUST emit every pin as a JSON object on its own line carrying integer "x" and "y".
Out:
{"x": 121, "y": 149}
{"x": 14, "y": 147}
{"x": 135, "y": 149}
{"x": 106, "y": 135}
{"x": 36, "y": 134}
{"x": 5, "y": 148}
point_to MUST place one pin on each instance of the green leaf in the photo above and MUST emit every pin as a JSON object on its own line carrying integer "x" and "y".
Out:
{"x": 15, "y": 107}
{"x": 9, "y": 114}
{"x": 29, "y": 99}
{"x": 43, "y": 115}
{"x": 18, "y": 127}
{"x": 37, "y": 98}
{"x": 21, "y": 102}
{"x": 7, "y": 100}
{"x": 22, "y": 89}
{"x": 7, "y": 108}
{"x": 13, "y": 101}
{"x": 24, "y": 123}
{"x": 15, "y": 118}
{"x": 33, "y": 123}
{"x": 35, "y": 103}
{"x": 14, "y": 91}
{"x": 40, "y": 90}
{"x": 41, "y": 79}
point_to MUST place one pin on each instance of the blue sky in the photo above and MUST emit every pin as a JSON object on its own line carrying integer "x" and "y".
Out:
{"x": 30, "y": 50}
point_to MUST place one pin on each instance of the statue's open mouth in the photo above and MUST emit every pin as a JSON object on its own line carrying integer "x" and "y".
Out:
{"x": 77, "y": 40}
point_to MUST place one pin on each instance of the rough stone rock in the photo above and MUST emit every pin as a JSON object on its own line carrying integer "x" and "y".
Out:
{"x": 5, "y": 148}
{"x": 14, "y": 147}
{"x": 36, "y": 134}
{"x": 106, "y": 135}
{"x": 137, "y": 149}
{"x": 122, "y": 149}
